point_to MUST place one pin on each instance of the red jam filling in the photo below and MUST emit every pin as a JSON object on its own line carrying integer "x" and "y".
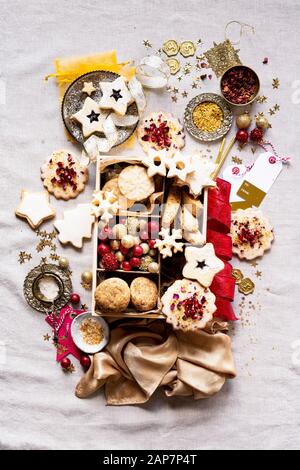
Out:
{"x": 193, "y": 308}
{"x": 65, "y": 175}
{"x": 250, "y": 237}
{"x": 158, "y": 134}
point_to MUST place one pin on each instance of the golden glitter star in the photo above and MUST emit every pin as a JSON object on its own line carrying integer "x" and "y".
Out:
{"x": 175, "y": 90}
{"x": 179, "y": 78}
{"x": 187, "y": 68}
{"x": 47, "y": 337}
{"x": 275, "y": 83}
{"x": 147, "y": 44}
{"x": 254, "y": 264}
{"x": 184, "y": 94}
{"x": 23, "y": 256}
{"x": 237, "y": 160}
{"x": 84, "y": 307}
{"x": 194, "y": 85}
{"x": 276, "y": 107}
{"x": 261, "y": 99}
{"x": 174, "y": 99}
{"x": 199, "y": 42}
{"x": 253, "y": 150}
{"x": 54, "y": 257}
{"x": 44, "y": 260}
{"x": 271, "y": 111}
{"x": 261, "y": 114}
{"x": 258, "y": 274}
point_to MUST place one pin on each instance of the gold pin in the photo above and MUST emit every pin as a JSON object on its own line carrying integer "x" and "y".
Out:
{"x": 174, "y": 65}
{"x": 187, "y": 49}
{"x": 170, "y": 47}
{"x": 246, "y": 286}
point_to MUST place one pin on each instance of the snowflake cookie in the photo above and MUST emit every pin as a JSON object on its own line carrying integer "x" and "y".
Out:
{"x": 63, "y": 175}
{"x": 104, "y": 205}
{"x": 202, "y": 264}
{"x": 161, "y": 131}
{"x": 168, "y": 245}
{"x": 251, "y": 233}
{"x": 187, "y": 305}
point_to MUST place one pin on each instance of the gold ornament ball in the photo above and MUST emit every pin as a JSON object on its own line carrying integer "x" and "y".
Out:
{"x": 153, "y": 268}
{"x": 87, "y": 277}
{"x": 243, "y": 121}
{"x": 119, "y": 231}
{"x": 262, "y": 122}
{"x": 115, "y": 244}
{"x": 127, "y": 241}
{"x": 63, "y": 263}
{"x": 120, "y": 257}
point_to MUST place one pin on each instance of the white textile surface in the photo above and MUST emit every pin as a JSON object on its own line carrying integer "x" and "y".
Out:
{"x": 260, "y": 408}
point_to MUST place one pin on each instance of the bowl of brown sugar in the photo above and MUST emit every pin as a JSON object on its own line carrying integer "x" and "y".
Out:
{"x": 90, "y": 333}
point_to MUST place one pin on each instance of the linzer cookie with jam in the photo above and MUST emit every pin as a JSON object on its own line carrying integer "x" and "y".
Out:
{"x": 161, "y": 131}
{"x": 63, "y": 175}
{"x": 251, "y": 232}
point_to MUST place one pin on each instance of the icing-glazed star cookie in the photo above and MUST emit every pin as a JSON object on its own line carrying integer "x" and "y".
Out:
{"x": 35, "y": 208}
{"x": 251, "y": 232}
{"x": 202, "y": 264}
{"x": 169, "y": 244}
{"x": 187, "y": 305}
{"x": 200, "y": 177}
{"x": 180, "y": 166}
{"x": 75, "y": 225}
{"x": 161, "y": 131}
{"x": 116, "y": 96}
{"x": 156, "y": 162}
{"x": 88, "y": 88}
{"x": 90, "y": 117}
{"x": 63, "y": 175}
{"x": 135, "y": 184}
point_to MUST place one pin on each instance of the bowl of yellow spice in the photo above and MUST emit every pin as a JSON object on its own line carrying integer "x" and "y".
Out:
{"x": 207, "y": 117}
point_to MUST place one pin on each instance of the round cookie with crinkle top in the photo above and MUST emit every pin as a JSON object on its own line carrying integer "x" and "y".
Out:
{"x": 63, "y": 176}
{"x": 135, "y": 184}
{"x": 112, "y": 295}
{"x": 144, "y": 294}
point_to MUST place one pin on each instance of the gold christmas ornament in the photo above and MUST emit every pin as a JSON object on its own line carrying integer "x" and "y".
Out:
{"x": 187, "y": 49}
{"x": 237, "y": 275}
{"x": 262, "y": 122}
{"x": 63, "y": 263}
{"x": 221, "y": 57}
{"x": 246, "y": 286}
{"x": 243, "y": 121}
{"x": 87, "y": 277}
{"x": 174, "y": 65}
{"x": 170, "y": 47}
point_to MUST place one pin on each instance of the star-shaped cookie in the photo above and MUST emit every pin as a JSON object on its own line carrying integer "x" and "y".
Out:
{"x": 88, "y": 88}
{"x": 90, "y": 117}
{"x": 156, "y": 161}
{"x": 179, "y": 166}
{"x": 202, "y": 264}
{"x": 115, "y": 96}
{"x": 200, "y": 177}
{"x": 35, "y": 208}
{"x": 75, "y": 225}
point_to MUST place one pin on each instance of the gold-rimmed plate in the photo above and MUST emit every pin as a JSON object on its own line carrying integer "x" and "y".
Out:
{"x": 199, "y": 134}
{"x": 74, "y": 98}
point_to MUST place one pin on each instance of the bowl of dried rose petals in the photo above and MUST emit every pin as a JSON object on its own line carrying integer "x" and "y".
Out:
{"x": 239, "y": 85}
{"x": 90, "y": 333}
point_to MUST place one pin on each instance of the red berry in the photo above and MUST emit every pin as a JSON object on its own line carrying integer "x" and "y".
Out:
{"x": 85, "y": 362}
{"x": 126, "y": 266}
{"x": 124, "y": 250}
{"x": 242, "y": 136}
{"x": 110, "y": 262}
{"x": 65, "y": 363}
{"x": 151, "y": 244}
{"x": 135, "y": 262}
{"x": 103, "y": 249}
{"x": 105, "y": 233}
{"x": 256, "y": 135}
{"x": 137, "y": 251}
{"x": 75, "y": 298}
{"x": 144, "y": 235}
{"x": 153, "y": 228}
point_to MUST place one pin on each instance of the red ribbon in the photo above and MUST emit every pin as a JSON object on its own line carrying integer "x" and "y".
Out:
{"x": 218, "y": 227}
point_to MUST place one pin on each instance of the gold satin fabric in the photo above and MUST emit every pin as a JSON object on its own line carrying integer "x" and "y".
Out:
{"x": 140, "y": 358}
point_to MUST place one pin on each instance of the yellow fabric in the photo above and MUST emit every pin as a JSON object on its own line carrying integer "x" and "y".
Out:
{"x": 141, "y": 358}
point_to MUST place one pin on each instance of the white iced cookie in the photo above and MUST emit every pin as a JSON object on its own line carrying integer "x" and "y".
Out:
{"x": 75, "y": 225}
{"x": 187, "y": 305}
{"x": 115, "y": 96}
{"x": 90, "y": 117}
{"x": 251, "y": 232}
{"x": 168, "y": 243}
{"x": 104, "y": 205}
{"x": 189, "y": 223}
{"x": 201, "y": 176}
{"x": 88, "y": 88}
{"x": 161, "y": 131}
{"x": 35, "y": 208}
{"x": 63, "y": 175}
{"x": 113, "y": 185}
{"x": 156, "y": 161}
{"x": 171, "y": 207}
{"x": 194, "y": 205}
{"x": 180, "y": 166}
{"x": 135, "y": 184}
{"x": 202, "y": 264}
{"x": 194, "y": 238}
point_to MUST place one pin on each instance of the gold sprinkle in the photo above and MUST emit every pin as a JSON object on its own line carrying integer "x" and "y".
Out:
{"x": 147, "y": 44}
{"x": 208, "y": 116}
{"x": 237, "y": 160}
{"x": 275, "y": 83}
{"x": 92, "y": 332}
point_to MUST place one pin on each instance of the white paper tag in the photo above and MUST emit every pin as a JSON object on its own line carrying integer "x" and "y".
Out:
{"x": 235, "y": 175}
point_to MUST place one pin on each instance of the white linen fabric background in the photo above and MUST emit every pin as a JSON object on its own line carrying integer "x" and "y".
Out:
{"x": 260, "y": 409}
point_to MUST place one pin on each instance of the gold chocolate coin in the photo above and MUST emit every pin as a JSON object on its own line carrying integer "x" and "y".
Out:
{"x": 187, "y": 48}
{"x": 246, "y": 286}
{"x": 237, "y": 275}
{"x": 170, "y": 47}
{"x": 174, "y": 65}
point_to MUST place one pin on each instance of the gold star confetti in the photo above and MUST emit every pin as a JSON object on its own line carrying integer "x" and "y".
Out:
{"x": 44, "y": 260}
{"x": 261, "y": 114}
{"x": 271, "y": 111}
{"x": 52, "y": 235}
{"x": 54, "y": 257}
{"x": 253, "y": 150}
{"x": 275, "y": 83}
{"x": 261, "y": 99}
{"x": 194, "y": 85}
{"x": 200, "y": 57}
{"x": 147, "y": 44}
{"x": 199, "y": 42}
{"x": 184, "y": 94}
{"x": 254, "y": 264}
{"x": 53, "y": 247}
{"x": 84, "y": 307}
{"x": 169, "y": 89}
{"x": 179, "y": 78}
{"x": 276, "y": 107}
{"x": 237, "y": 160}
{"x": 71, "y": 369}
{"x": 86, "y": 285}
{"x": 174, "y": 99}
{"x": 47, "y": 337}
{"x": 187, "y": 68}
{"x": 258, "y": 274}
{"x": 175, "y": 90}
{"x": 23, "y": 256}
